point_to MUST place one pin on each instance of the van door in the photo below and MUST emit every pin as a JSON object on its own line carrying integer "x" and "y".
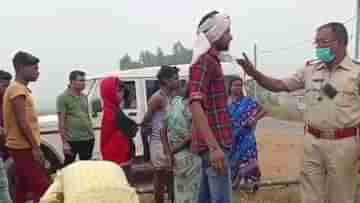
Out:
{"x": 131, "y": 108}
{"x": 95, "y": 110}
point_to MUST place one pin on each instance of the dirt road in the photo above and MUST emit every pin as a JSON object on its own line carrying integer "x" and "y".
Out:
{"x": 280, "y": 126}
{"x": 280, "y": 147}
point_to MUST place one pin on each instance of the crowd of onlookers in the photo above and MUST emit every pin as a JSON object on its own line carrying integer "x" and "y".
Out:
{"x": 200, "y": 138}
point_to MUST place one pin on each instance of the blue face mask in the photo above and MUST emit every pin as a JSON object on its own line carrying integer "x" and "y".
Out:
{"x": 325, "y": 55}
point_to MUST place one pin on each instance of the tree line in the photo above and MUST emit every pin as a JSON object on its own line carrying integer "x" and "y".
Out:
{"x": 179, "y": 55}
{"x": 182, "y": 55}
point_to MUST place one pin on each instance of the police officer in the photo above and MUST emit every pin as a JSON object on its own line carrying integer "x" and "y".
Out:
{"x": 332, "y": 116}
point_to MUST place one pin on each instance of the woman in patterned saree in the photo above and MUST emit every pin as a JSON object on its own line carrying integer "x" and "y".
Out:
{"x": 244, "y": 113}
{"x": 176, "y": 141}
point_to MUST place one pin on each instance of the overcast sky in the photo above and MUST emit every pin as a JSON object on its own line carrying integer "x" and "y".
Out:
{"x": 93, "y": 35}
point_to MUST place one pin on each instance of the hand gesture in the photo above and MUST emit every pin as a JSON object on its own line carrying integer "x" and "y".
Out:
{"x": 247, "y": 65}
{"x": 252, "y": 123}
{"x": 217, "y": 160}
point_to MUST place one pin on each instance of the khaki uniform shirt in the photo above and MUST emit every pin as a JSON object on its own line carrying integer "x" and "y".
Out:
{"x": 323, "y": 112}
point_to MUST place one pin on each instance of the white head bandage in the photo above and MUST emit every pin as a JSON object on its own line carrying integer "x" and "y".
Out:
{"x": 209, "y": 32}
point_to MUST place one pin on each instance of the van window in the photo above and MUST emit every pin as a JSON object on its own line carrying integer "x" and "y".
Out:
{"x": 153, "y": 85}
{"x": 182, "y": 83}
{"x": 129, "y": 96}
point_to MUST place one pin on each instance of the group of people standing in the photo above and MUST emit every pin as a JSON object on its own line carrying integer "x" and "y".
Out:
{"x": 20, "y": 132}
{"x": 170, "y": 117}
{"x": 208, "y": 137}
{"x": 205, "y": 136}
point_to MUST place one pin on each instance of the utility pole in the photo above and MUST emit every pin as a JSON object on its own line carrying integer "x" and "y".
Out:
{"x": 255, "y": 66}
{"x": 357, "y": 33}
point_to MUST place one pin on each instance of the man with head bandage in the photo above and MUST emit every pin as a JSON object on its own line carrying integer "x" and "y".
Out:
{"x": 211, "y": 132}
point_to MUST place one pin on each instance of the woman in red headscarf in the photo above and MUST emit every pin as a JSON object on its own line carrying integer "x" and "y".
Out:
{"x": 114, "y": 144}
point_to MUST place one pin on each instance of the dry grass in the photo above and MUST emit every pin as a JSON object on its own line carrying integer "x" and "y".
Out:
{"x": 270, "y": 195}
{"x": 279, "y": 157}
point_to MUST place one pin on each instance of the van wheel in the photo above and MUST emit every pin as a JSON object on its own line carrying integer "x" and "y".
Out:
{"x": 52, "y": 163}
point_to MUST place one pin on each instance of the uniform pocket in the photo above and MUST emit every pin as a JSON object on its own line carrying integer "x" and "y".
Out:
{"x": 312, "y": 97}
{"x": 345, "y": 98}
{"x": 313, "y": 92}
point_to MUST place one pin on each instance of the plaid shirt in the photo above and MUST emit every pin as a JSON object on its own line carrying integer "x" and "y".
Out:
{"x": 207, "y": 85}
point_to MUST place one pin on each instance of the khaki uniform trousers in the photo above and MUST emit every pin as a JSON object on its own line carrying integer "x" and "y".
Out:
{"x": 329, "y": 170}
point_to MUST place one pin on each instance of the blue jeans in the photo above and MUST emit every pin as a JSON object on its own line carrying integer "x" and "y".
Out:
{"x": 214, "y": 188}
{"x": 4, "y": 186}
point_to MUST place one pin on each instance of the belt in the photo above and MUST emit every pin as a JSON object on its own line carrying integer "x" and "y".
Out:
{"x": 332, "y": 135}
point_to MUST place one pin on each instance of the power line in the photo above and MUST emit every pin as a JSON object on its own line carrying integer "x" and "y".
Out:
{"x": 301, "y": 43}
{"x": 283, "y": 49}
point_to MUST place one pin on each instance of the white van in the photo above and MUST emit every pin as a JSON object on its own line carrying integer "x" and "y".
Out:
{"x": 142, "y": 84}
